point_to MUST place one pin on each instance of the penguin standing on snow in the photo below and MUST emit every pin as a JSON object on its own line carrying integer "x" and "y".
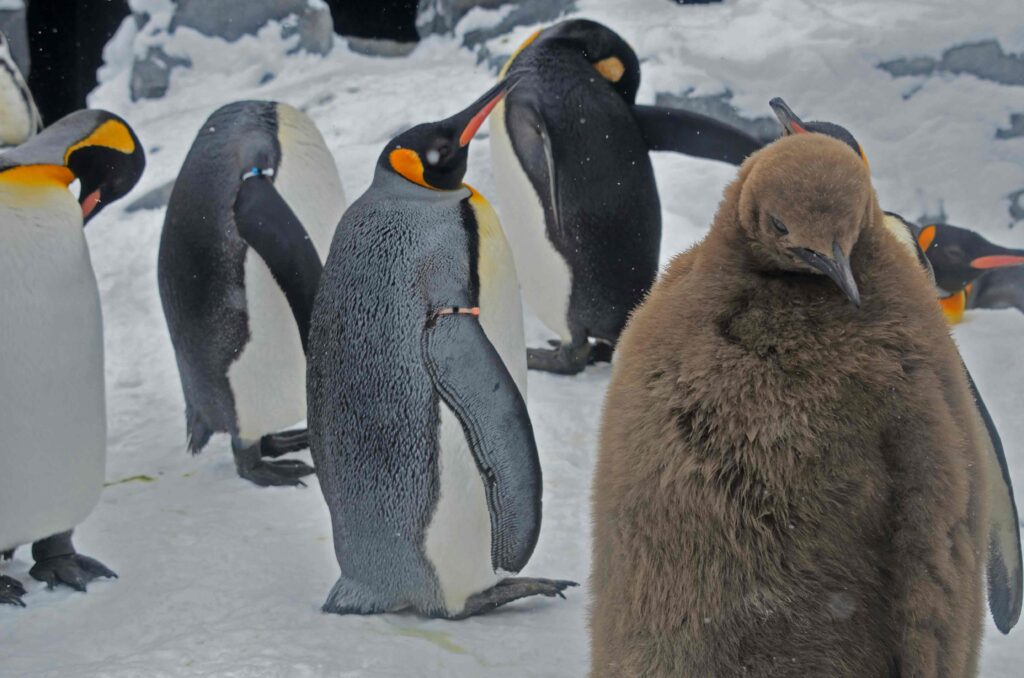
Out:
{"x": 248, "y": 224}
{"x": 790, "y": 481}
{"x": 19, "y": 117}
{"x": 417, "y": 382}
{"x": 53, "y": 410}
{"x": 947, "y": 269}
{"x": 576, "y": 186}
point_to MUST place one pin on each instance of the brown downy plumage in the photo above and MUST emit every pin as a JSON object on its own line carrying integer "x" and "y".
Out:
{"x": 782, "y": 487}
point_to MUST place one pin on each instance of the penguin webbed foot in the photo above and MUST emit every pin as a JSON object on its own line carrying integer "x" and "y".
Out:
{"x": 284, "y": 472}
{"x": 562, "y": 359}
{"x": 11, "y": 591}
{"x": 513, "y": 588}
{"x": 57, "y": 562}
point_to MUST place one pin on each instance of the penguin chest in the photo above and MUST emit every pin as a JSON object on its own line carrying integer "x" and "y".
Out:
{"x": 545, "y": 274}
{"x": 52, "y": 409}
{"x": 268, "y": 379}
{"x": 16, "y": 123}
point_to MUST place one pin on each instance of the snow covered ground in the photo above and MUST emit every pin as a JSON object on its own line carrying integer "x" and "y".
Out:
{"x": 219, "y": 577}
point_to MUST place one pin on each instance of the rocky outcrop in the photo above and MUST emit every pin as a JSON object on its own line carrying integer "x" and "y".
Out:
{"x": 985, "y": 60}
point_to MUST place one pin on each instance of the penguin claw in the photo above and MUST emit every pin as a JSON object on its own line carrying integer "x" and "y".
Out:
{"x": 73, "y": 570}
{"x": 513, "y": 588}
{"x": 565, "y": 359}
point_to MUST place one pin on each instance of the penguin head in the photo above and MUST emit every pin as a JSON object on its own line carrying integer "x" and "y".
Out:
{"x": 792, "y": 124}
{"x": 95, "y": 147}
{"x": 959, "y": 256}
{"x": 803, "y": 203}
{"x": 600, "y": 46}
{"x": 434, "y": 154}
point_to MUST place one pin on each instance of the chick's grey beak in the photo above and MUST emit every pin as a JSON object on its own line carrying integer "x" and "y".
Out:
{"x": 837, "y": 267}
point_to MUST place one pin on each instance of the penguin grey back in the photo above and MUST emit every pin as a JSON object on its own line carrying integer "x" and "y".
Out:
{"x": 201, "y": 261}
{"x": 378, "y": 533}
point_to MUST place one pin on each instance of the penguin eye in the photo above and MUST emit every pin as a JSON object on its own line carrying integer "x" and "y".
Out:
{"x": 779, "y": 227}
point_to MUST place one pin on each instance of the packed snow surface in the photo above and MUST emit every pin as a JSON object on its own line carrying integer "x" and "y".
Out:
{"x": 219, "y": 577}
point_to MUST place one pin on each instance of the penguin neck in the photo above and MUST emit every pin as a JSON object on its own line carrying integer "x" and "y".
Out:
{"x": 387, "y": 180}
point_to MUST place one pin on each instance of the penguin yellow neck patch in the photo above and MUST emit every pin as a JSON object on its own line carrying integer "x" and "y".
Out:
{"x": 526, "y": 43}
{"x": 611, "y": 69}
{"x": 953, "y": 307}
{"x": 408, "y": 164}
{"x": 111, "y": 134}
{"x": 38, "y": 176}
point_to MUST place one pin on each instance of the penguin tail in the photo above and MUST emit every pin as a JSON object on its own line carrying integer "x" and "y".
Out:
{"x": 198, "y": 431}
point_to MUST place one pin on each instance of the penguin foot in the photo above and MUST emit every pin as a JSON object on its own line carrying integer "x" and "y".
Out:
{"x": 564, "y": 359}
{"x": 511, "y": 589}
{"x": 274, "y": 445}
{"x": 251, "y": 466}
{"x": 7, "y": 555}
{"x": 11, "y": 591}
{"x": 58, "y": 563}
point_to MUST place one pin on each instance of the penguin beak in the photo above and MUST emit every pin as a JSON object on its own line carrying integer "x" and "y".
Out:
{"x": 89, "y": 204}
{"x": 837, "y": 268}
{"x": 473, "y": 117}
{"x": 1002, "y": 260}
{"x": 791, "y": 124}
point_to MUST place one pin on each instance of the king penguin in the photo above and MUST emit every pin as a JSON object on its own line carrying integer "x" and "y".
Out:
{"x": 248, "y": 225}
{"x": 417, "y": 383}
{"x": 53, "y": 410}
{"x": 19, "y": 117}
{"x": 1005, "y": 570}
{"x": 576, "y": 186}
{"x": 784, "y": 486}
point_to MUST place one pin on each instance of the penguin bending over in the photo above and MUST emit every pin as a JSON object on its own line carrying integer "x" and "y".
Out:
{"x": 1005, "y": 572}
{"x": 248, "y": 224}
{"x": 19, "y": 117}
{"x": 576, "y": 186}
{"x": 417, "y": 382}
{"x": 789, "y": 480}
{"x": 53, "y": 410}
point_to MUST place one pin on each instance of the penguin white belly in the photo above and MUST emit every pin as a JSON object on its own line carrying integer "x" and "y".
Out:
{"x": 15, "y": 112}
{"x": 307, "y": 178}
{"x": 268, "y": 380}
{"x": 458, "y": 539}
{"x": 52, "y": 407}
{"x": 544, "y": 273}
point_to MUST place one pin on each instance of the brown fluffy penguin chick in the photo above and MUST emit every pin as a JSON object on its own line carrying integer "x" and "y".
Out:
{"x": 782, "y": 487}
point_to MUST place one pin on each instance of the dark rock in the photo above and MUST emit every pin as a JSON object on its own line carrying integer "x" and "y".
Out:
{"x": 718, "y": 106}
{"x": 985, "y": 60}
{"x": 154, "y": 199}
{"x": 442, "y": 16}
{"x": 1017, "y": 205}
{"x": 230, "y": 19}
{"x": 151, "y": 75}
{"x": 1016, "y": 128}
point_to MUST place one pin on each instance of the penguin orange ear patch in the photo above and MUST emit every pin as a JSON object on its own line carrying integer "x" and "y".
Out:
{"x": 111, "y": 134}
{"x": 925, "y": 238}
{"x": 407, "y": 162}
{"x": 611, "y": 69}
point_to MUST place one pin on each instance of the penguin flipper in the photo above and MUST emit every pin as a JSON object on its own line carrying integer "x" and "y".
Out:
{"x": 1005, "y": 584}
{"x": 471, "y": 378}
{"x": 269, "y": 226}
{"x": 689, "y": 133}
{"x": 532, "y": 143}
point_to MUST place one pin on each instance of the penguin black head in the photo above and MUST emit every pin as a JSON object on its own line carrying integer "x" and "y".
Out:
{"x": 803, "y": 203}
{"x": 959, "y": 256}
{"x": 433, "y": 155}
{"x": 96, "y": 147}
{"x": 792, "y": 124}
{"x": 602, "y": 47}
